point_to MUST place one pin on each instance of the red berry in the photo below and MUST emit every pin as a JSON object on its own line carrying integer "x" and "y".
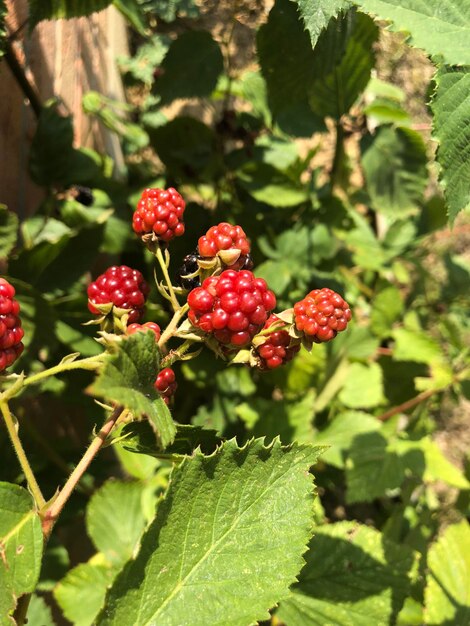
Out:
{"x": 159, "y": 211}
{"x": 11, "y": 332}
{"x": 321, "y": 315}
{"x": 121, "y": 286}
{"x": 135, "y": 328}
{"x": 277, "y": 349}
{"x": 232, "y": 307}
{"x": 166, "y": 384}
{"x": 224, "y": 238}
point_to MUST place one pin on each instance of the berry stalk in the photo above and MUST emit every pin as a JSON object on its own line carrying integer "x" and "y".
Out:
{"x": 22, "y": 458}
{"x": 161, "y": 261}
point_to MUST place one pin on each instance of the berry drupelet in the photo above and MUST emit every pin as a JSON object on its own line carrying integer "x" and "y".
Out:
{"x": 321, "y": 315}
{"x": 121, "y": 286}
{"x": 11, "y": 332}
{"x": 166, "y": 384}
{"x": 159, "y": 213}
{"x": 276, "y": 349}
{"x": 232, "y": 307}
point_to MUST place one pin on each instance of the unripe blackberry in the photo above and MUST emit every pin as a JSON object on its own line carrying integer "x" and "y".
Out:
{"x": 136, "y": 328}
{"x": 11, "y": 332}
{"x": 159, "y": 213}
{"x": 227, "y": 242}
{"x": 278, "y": 347}
{"x": 83, "y": 195}
{"x": 321, "y": 315}
{"x": 232, "y": 307}
{"x": 122, "y": 287}
{"x": 166, "y": 384}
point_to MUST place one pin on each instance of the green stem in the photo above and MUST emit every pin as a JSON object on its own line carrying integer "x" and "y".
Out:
{"x": 22, "y": 458}
{"x": 90, "y": 363}
{"x": 174, "y": 300}
{"x": 53, "y": 512}
{"x": 175, "y": 355}
{"x": 173, "y": 325}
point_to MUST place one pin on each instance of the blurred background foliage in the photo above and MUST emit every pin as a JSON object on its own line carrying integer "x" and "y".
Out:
{"x": 323, "y": 155}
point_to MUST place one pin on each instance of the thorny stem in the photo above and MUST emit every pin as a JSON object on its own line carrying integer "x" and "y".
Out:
{"x": 173, "y": 325}
{"x": 174, "y": 300}
{"x": 175, "y": 355}
{"x": 22, "y": 458}
{"x": 53, "y": 512}
{"x": 409, "y": 404}
{"x": 90, "y": 363}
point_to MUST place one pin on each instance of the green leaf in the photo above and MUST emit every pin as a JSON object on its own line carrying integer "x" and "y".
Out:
{"x": 317, "y": 13}
{"x": 81, "y": 593}
{"x": 339, "y": 84}
{"x": 139, "y": 437}
{"x": 7, "y": 598}
{"x": 58, "y": 9}
{"x": 187, "y": 147}
{"x": 191, "y": 67}
{"x": 440, "y": 27}
{"x": 447, "y": 598}
{"x": 340, "y": 434}
{"x": 115, "y": 519}
{"x": 387, "y": 308}
{"x": 398, "y": 188}
{"x": 246, "y": 506}
{"x": 267, "y": 184}
{"x": 412, "y": 345}
{"x": 128, "y": 377}
{"x": 353, "y": 576}
{"x": 169, "y": 10}
{"x": 39, "y": 613}
{"x": 21, "y": 541}
{"x": 363, "y": 387}
{"x": 451, "y": 129}
{"x": 8, "y": 230}
{"x": 133, "y": 13}
{"x": 148, "y": 57}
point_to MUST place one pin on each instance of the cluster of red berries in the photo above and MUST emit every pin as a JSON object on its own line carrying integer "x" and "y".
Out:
{"x": 278, "y": 348}
{"x": 321, "y": 315}
{"x": 121, "y": 286}
{"x": 160, "y": 212}
{"x": 224, "y": 236}
{"x": 11, "y": 332}
{"x": 166, "y": 384}
{"x": 232, "y": 307}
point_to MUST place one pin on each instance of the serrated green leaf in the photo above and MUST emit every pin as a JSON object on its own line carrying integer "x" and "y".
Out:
{"x": 115, "y": 519}
{"x": 440, "y": 27}
{"x": 338, "y": 87}
{"x": 8, "y": 230}
{"x": 191, "y": 67}
{"x": 447, "y": 594}
{"x": 387, "y": 307}
{"x": 397, "y": 189}
{"x": 267, "y": 184}
{"x": 451, "y": 129}
{"x": 58, "y": 9}
{"x": 81, "y": 593}
{"x": 353, "y": 576}
{"x": 340, "y": 434}
{"x": 7, "y": 599}
{"x": 20, "y": 539}
{"x": 247, "y": 506}
{"x": 317, "y": 13}
{"x": 148, "y": 57}
{"x": 128, "y": 377}
{"x": 417, "y": 346}
{"x": 138, "y": 437}
{"x": 439, "y": 468}
{"x": 39, "y": 613}
{"x": 363, "y": 387}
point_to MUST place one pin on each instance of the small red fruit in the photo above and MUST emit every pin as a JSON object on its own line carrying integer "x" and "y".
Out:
{"x": 321, "y": 315}
{"x": 232, "y": 307}
{"x": 136, "y": 328}
{"x": 166, "y": 384}
{"x": 277, "y": 349}
{"x": 11, "y": 332}
{"x": 159, "y": 212}
{"x": 121, "y": 286}
{"x": 227, "y": 241}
